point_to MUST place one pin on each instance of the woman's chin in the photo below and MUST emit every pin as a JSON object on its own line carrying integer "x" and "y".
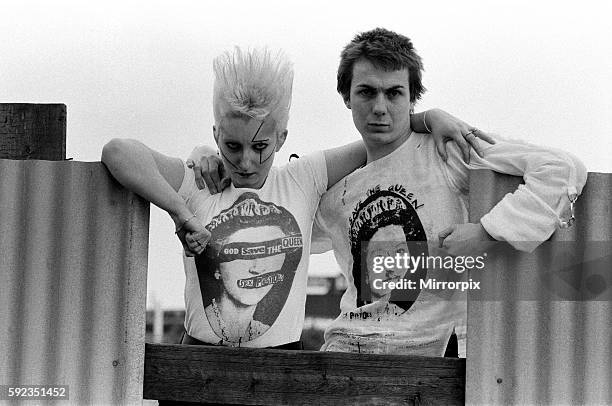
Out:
{"x": 248, "y": 302}
{"x": 251, "y": 182}
{"x": 252, "y": 298}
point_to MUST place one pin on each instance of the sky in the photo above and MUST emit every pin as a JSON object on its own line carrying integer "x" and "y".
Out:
{"x": 537, "y": 71}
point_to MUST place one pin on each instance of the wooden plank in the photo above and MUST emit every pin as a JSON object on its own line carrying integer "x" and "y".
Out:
{"x": 33, "y": 131}
{"x": 256, "y": 376}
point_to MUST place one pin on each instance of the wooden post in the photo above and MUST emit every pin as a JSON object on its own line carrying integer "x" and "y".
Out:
{"x": 33, "y": 131}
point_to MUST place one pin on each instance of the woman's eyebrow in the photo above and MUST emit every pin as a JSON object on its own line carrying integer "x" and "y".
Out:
{"x": 221, "y": 133}
{"x": 257, "y": 132}
{"x": 261, "y": 160}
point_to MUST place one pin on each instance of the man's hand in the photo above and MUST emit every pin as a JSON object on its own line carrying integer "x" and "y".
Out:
{"x": 194, "y": 237}
{"x": 465, "y": 240}
{"x": 446, "y": 127}
{"x": 208, "y": 170}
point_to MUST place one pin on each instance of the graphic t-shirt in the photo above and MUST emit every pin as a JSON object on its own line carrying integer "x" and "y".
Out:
{"x": 248, "y": 288}
{"x": 398, "y": 205}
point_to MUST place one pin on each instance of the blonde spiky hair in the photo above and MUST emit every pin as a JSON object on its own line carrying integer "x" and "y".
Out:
{"x": 255, "y": 83}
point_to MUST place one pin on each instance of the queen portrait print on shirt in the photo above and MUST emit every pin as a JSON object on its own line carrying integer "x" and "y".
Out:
{"x": 386, "y": 225}
{"x": 248, "y": 267}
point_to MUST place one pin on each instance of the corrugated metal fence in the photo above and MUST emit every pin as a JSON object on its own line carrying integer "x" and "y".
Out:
{"x": 73, "y": 281}
{"x": 542, "y": 332}
{"x": 73, "y": 276}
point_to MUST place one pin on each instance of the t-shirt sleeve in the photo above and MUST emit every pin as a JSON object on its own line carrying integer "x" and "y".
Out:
{"x": 188, "y": 188}
{"x": 310, "y": 174}
{"x": 320, "y": 240}
{"x": 529, "y": 215}
{"x": 328, "y": 220}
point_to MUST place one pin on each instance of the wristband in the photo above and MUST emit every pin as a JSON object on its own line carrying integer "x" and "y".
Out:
{"x": 425, "y": 122}
{"x": 180, "y": 227}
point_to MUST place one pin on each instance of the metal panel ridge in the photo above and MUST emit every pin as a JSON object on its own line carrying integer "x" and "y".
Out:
{"x": 73, "y": 260}
{"x": 544, "y": 336}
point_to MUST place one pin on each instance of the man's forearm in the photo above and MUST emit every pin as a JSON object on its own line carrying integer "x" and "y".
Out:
{"x": 529, "y": 215}
{"x": 343, "y": 160}
{"x": 200, "y": 152}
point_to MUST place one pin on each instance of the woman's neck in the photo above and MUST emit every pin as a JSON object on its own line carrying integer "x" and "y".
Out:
{"x": 235, "y": 315}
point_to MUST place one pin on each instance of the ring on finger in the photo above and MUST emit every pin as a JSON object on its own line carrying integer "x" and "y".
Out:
{"x": 471, "y": 132}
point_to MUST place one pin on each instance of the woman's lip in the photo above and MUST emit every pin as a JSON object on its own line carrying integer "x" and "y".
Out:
{"x": 245, "y": 174}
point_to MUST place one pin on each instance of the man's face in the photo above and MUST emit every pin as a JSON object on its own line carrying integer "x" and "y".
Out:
{"x": 380, "y": 104}
{"x": 247, "y": 148}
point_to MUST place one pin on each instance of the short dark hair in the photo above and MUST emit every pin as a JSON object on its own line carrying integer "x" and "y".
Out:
{"x": 386, "y": 50}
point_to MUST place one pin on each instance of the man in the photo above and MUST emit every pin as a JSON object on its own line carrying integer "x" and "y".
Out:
{"x": 379, "y": 78}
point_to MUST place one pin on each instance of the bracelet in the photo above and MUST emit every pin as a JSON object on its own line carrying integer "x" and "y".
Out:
{"x": 571, "y": 220}
{"x": 179, "y": 228}
{"x": 425, "y": 122}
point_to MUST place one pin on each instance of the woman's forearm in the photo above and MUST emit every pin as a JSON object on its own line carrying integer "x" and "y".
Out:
{"x": 151, "y": 175}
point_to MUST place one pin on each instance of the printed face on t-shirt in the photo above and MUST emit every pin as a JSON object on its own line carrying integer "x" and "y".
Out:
{"x": 387, "y": 242}
{"x": 250, "y": 262}
{"x": 247, "y": 281}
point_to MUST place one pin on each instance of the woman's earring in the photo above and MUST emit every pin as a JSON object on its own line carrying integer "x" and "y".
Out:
{"x": 217, "y": 275}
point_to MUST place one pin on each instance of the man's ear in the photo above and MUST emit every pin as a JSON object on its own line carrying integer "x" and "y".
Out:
{"x": 347, "y": 103}
{"x": 216, "y": 135}
{"x": 282, "y": 137}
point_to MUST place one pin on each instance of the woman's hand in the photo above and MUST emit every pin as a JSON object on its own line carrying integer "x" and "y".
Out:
{"x": 194, "y": 237}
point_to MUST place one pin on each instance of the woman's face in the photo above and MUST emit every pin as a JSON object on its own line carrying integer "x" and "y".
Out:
{"x": 388, "y": 241}
{"x": 247, "y": 281}
{"x": 247, "y": 147}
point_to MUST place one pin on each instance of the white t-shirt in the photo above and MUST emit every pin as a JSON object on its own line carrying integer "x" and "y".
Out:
{"x": 412, "y": 195}
{"x": 248, "y": 288}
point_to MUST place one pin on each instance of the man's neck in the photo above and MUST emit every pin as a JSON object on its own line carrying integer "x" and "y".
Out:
{"x": 377, "y": 151}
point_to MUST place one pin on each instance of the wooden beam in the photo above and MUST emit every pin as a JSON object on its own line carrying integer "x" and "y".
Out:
{"x": 33, "y": 131}
{"x": 254, "y": 376}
